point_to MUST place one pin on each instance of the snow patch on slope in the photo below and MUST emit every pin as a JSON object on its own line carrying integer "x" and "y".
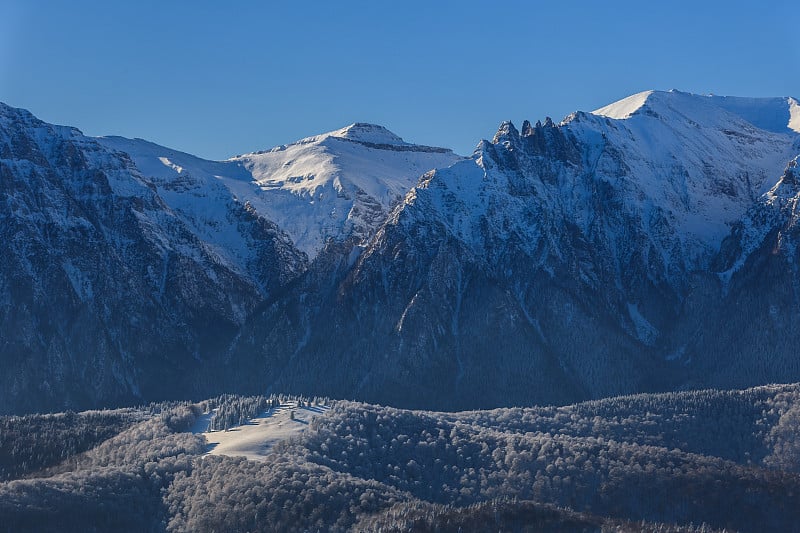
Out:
{"x": 624, "y": 108}
{"x": 778, "y": 115}
{"x": 195, "y": 189}
{"x": 794, "y": 114}
{"x": 645, "y": 331}
{"x": 255, "y": 439}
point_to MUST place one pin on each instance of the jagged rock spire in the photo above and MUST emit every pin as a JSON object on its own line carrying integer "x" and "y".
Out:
{"x": 527, "y": 130}
{"x": 506, "y": 132}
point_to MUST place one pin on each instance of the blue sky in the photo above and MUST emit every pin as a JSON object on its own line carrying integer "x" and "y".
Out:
{"x": 221, "y": 78}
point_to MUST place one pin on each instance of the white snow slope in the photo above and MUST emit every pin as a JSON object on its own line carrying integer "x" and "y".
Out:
{"x": 330, "y": 186}
{"x": 778, "y": 115}
{"x": 706, "y": 159}
{"x": 255, "y": 439}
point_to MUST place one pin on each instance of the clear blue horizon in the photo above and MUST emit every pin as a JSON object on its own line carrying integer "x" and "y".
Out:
{"x": 217, "y": 81}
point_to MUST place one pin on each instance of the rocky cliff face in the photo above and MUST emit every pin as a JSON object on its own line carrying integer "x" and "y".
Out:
{"x": 106, "y": 293}
{"x": 751, "y": 334}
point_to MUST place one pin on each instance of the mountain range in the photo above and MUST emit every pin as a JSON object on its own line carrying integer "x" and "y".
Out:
{"x": 650, "y": 245}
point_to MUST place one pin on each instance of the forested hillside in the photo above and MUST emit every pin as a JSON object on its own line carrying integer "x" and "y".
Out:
{"x": 692, "y": 461}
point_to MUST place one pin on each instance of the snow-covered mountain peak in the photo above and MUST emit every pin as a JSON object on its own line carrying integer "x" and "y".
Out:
{"x": 22, "y": 119}
{"x": 373, "y": 135}
{"x": 506, "y": 133}
{"x": 702, "y": 158}
{"x": 329, "y": 186}
{"x": 672, "y": 172}
{"x": 624, "y": 108}
{"x": 322, "y": 188}
{"x": 368, "y": 133}
{"x": 777, "y": 115}
{"x": 703, "y": 109}
{"x": 8, "y": 113}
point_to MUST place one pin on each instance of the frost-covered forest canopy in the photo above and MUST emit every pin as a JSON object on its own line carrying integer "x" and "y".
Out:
{"x": 690, "y": 461}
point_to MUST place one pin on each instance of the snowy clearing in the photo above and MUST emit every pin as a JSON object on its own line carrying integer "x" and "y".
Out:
{"x": 255, "y": 439}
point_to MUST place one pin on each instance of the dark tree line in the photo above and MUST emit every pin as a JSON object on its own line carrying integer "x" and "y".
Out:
{"x": 230, "y": 410}
{"x": 33, "y": 442}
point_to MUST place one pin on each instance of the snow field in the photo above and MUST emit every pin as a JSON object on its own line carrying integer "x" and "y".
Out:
{"x": 255, "y": 439}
